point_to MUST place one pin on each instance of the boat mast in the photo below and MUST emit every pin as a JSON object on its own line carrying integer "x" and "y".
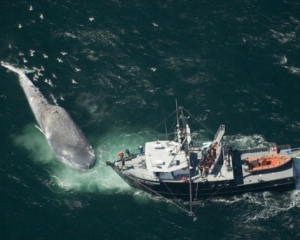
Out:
{"x": 178, "y": 127}
{"x": 186, "y": 146}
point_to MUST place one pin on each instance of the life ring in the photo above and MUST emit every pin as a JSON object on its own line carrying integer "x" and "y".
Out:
{"x": 183, "y": 179}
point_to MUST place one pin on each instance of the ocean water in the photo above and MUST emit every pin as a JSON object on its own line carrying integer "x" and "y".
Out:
{"x": 117, "y": 67}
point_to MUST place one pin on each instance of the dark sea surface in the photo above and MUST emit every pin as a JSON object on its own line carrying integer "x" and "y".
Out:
{"x": 117, "y": 67}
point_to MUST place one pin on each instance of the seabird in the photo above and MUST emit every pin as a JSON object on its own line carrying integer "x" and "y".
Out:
{"x": 35, "y": 77}
{"x": 31, "y": 52}
{"x": 49, "y": 82}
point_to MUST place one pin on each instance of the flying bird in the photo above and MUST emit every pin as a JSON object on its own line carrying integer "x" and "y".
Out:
{"x": 31, "y": 52}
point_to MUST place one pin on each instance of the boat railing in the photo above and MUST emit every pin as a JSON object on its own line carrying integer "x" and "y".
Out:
{"x": 131, "y": 155}
{"x": 295, "y": 152}
{"x": 266, "y": 149}
{"x": 144, "y": 176}
{"x": 254, "y": 150}
{"x": 199, "y": 144}
{"x": 295, "y": 149}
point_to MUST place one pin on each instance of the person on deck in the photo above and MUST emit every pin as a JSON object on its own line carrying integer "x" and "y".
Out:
{"x": 127, "y": 152}
{"x": 141, "y": 149}
{"x": 121, "y": 156}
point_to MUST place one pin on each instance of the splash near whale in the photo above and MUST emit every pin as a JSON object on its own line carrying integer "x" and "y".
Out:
{"x": 63, "y": 135}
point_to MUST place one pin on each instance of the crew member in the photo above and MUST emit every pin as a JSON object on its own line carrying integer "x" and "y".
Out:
{"x": 127, "y": 152}
{"x": 141, "y": 149}
{"x": 121, "y": 156}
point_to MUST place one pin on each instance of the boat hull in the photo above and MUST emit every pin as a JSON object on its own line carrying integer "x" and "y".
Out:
{"x": 180, "y": 190}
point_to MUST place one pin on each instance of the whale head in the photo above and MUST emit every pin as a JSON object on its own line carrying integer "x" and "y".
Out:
{"x": 78, "y": 158}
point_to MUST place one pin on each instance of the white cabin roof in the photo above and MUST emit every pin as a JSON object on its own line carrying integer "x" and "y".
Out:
{"x": 164, "y": 156}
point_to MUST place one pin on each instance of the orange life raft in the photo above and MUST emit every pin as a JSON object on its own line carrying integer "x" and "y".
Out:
{"x": 266, "y": 162}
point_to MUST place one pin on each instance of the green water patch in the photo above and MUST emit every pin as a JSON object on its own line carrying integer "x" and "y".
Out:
{"x": 101, "y": 178}
{"x": 35, "y": 143}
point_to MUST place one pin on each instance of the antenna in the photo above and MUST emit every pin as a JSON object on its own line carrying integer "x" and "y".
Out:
{"x": 165, "y": 124}
{"x": 177, "y": 113}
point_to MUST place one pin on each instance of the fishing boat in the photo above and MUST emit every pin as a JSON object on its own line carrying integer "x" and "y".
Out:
{"x": 186, "y": 169}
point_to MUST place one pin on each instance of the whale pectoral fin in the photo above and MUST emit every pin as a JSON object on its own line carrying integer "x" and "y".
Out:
{"x": 40, "y": 130}
{"x": 27, "y": 71}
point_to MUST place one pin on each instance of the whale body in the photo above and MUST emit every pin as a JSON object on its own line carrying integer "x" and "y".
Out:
{"x": 62, "y": 134}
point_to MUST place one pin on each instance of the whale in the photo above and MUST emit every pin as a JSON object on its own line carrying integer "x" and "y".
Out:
{"x": 67, "y": 141}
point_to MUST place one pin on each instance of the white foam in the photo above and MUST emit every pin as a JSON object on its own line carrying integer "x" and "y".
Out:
{"x": 99, "y": 179}
{"x": 261, "y": 205}
{"x": 243, "y": 142}
{"x": 269, "y": 206}
{"x": 293, "y": 70}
